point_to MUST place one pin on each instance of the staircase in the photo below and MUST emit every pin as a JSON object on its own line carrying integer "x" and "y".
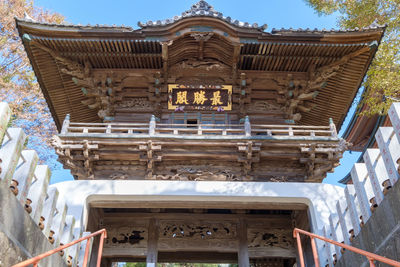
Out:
{"x": 374, "y": 181}
{"x": 371, "y": 183}
{"x": 29, "y": 206}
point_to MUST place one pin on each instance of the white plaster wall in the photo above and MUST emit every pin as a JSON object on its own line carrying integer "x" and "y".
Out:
{"x": 321, "y": 198}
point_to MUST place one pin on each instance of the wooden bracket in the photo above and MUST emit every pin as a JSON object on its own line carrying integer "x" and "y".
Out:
{"x": 249, "y": 154}
{"x": 149, "y": 157}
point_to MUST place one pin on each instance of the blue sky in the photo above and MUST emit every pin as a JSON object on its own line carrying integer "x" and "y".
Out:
{"x": 274, "y": 13}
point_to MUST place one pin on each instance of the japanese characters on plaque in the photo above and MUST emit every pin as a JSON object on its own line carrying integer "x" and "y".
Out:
{"x": 200, "y": 97}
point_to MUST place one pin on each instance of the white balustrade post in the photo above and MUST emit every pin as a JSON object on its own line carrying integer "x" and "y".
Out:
{"x": 390, "y": 151}
{"x": 67, "y": 232}
{"x": 334, "y": 235}
{"x": 371, "y": 157}
{"x": 49, "y": 209}
{"x": 38, "y": 191}
{"x": 74, "y": 250}
{"x": 10, "y": 152}
{"x": 24, "y": 173}
{"x": 5, "y": 115}
{"x": 332, "y": 127}
{"x": 358, "y": 174}
{"x": 59, "y": 221}
{"x": 351, "y": 205}
{"x": 247, "y": 126}
{"x": 65, "y": 125}
{"x": 394, "y": 115}
{"x": 328, "y": 247}
{"x": 152, "y": 125}
{"x": 81, "y": 253}
{"x": 342, "y": 221}
{"x": 109, "y": 129}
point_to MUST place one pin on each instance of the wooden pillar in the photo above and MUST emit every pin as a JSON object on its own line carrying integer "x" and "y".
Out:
{"x": 152, "y": 250}
{"x": 243, "y": 251}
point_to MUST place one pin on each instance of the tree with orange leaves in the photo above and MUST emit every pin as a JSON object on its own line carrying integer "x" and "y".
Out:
{"x": 18, "y": 85}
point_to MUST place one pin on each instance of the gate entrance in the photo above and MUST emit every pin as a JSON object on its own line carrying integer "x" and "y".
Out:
{"x": 190, "y": 236}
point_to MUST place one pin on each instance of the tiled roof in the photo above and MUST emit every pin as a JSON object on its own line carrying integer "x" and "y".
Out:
{"x": 200, "y": 9}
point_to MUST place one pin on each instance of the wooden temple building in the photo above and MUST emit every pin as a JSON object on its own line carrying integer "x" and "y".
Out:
{"x": 199, "y": 97}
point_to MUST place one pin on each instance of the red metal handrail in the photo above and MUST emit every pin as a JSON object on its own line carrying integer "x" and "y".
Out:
{"x": 36, "y": 259}
{"x": 370, "y": 256}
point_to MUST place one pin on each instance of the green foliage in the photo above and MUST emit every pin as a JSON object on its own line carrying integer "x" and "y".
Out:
{"x": 383, "y": 77}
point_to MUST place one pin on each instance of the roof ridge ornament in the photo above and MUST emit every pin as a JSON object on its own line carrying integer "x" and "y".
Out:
{"x": 201, "y": 5}
{"x": 202, "y": 9}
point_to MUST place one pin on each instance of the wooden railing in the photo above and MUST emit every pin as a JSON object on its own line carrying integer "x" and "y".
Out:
{"x": 152, "y": 128}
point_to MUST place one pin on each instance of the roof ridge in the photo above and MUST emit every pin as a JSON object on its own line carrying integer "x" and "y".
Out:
{"x": 202, "y": 9}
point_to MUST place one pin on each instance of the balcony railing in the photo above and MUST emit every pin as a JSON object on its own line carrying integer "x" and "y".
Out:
{"x": 152, "y": 128}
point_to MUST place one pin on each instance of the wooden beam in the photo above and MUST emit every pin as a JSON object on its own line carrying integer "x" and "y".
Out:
{"x": 243, "y": 251}
{"x": 152, "y": 251}
{"x": 203, "y": 203}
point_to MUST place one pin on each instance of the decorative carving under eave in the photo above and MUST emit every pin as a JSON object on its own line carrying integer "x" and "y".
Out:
{"x": 202, "y": 36}
{"x": 100, "y": 90}
{"x": 200, "y": 65}
{"x": 194, "y": 174}
{"x": 136, "y": 104}
{"x": 297, "y": 95}
{"x": 281, "y": 238}
{"x": 118, "y": 176}
{"x": 321, "y": 159}
{"x": 197, "y": 230}
{"x": 205, "y": 70}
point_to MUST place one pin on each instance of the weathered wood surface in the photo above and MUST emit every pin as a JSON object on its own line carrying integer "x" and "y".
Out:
{"x": 199, "y": 151}
{"x": 253, "y": 236}
{"x": 280, "y": 73}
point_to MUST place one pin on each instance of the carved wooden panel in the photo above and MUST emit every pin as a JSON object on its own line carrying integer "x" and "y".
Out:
{"x": 192, "y": 235}
{"x": 126, "y": 237}
{"x": 281, "y": 238}
{"x": 199, "y": 174}
{"x": 135, "y": 104}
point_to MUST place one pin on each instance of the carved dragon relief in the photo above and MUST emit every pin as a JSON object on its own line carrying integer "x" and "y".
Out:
{"x": 296, "y": 95}
{"x": 258, "y": 238}
{"x": 196, "y": 174}
{"x": 207, "y": 65}
{"x": 197, "y": 230}
{"x": 208, "y": 235}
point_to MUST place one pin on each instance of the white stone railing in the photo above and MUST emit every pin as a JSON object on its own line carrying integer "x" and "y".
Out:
{"x": 371, "y": 181}
{"x": 163, "y": 129}
{"x": 29, "y": 182}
